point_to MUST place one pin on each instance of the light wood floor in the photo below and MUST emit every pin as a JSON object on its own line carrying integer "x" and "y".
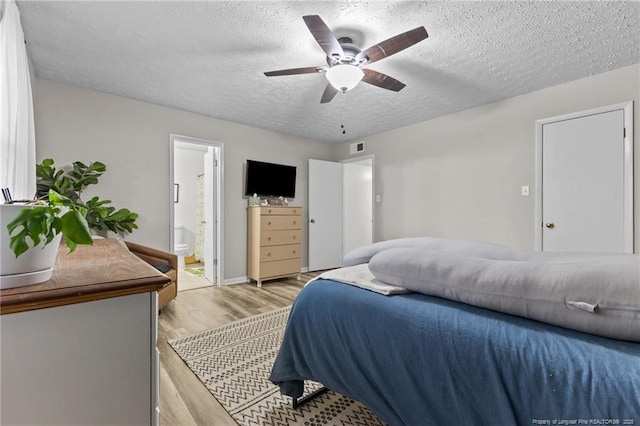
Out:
{"x": 183, "y": 398}
{"x": 190, "y": 282}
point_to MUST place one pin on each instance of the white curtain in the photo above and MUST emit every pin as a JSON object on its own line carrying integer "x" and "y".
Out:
{"x": 17, "y": 137}
{"x": 199, "y": 252}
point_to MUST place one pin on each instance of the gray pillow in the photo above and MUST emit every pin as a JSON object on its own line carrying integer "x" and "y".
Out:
{"x": 594, "y": 293}
{"x": 364, "y": 253}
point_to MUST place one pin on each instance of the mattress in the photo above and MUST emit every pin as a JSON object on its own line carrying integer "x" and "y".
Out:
{"x": 415, "y": 359}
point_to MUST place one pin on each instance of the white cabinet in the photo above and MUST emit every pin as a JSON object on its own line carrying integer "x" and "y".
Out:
{"x": 80, "y": 349}
{"x": 82, "y": 364}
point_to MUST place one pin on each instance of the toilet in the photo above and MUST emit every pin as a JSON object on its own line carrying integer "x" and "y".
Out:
{"x": 180, "y": 248}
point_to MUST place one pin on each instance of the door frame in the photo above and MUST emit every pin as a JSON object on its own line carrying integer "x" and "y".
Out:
{"x": 173, "y": 138}
{"x": 371, "y": 157}
{"x": 627, "y": 108}
{"x": 209, "y": 177}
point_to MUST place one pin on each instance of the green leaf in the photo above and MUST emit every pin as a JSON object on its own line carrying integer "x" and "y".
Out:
{"x": 58, "y": 199}
{"x": 56, "y": 224}
{"x": 75, "y": 228}
{"x": 99, "y": 202}
{"x": 99, "y": 167}
{"x": 90, "y": 180}
{"x": 35, "y": 227}
{"x": 18, "y": 243}
{"x": 120, "y": 215}
{"x": 20, "y": 220}
{"x": 71, "y": 245}
{"x": 35, "y": 223}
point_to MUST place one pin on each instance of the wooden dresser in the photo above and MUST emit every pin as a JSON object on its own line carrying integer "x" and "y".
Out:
{"x": 274, "y": 237}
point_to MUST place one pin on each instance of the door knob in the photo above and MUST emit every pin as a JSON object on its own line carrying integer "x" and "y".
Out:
{"x": 312, "y": 221}
{"x": 550, "y": 225}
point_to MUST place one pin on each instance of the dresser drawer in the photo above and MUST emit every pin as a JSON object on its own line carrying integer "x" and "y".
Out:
{"x": 271, "y": 253}
{"x": 279, "y": 267}
{"x": 280, "y": 211}
{"x": 268, "y": 223}
{"x": 279, "y": 238}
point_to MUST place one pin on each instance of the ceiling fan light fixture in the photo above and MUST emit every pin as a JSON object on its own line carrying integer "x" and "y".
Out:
{"x": 344, "y": 77}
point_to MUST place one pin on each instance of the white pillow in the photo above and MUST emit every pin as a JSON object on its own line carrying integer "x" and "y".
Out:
{"x": 590, "y": 292}
{"x": 364, "y": 253}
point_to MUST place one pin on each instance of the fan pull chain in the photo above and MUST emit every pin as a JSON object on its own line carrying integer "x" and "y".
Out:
{"x": 344, "y": 107}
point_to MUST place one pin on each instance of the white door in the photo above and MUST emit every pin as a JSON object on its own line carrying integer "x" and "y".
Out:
{"x": 210, "y": 197}
{"x": 583, "y": 183}
{"x": 325, "y": 215}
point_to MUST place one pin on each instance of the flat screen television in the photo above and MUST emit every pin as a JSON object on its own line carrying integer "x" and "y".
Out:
{"x": 270, "y": 180}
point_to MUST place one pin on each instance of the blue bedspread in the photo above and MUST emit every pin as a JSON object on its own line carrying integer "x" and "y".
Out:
{"x": 420, "y": 360}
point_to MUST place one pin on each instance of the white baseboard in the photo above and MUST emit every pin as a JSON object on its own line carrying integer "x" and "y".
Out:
{"x": 237, "y": 280}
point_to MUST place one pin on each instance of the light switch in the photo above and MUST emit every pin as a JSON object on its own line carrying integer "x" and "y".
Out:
{"x": 525, "y": 191}
{"x": 377, "y": 198}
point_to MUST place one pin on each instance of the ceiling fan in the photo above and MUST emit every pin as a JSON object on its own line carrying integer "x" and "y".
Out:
{"x": 346, "y": 60}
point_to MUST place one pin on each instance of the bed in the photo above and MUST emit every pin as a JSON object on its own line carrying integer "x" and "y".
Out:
{"x": 417, "y": 359}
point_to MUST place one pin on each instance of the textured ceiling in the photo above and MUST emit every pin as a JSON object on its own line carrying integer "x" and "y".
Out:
{"x": 209, "y": 57}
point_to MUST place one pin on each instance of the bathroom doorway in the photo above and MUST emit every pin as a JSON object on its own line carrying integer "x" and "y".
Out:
{"x": 196, "y": 210}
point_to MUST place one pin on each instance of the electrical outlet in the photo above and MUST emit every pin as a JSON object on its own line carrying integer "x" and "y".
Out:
{"x": 524, "y": 191}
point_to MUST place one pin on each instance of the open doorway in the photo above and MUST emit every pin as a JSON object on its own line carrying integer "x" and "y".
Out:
{"x": 341, "y": 213}
{"x": 357, "y": 204}
{"x": 195, "y": 212}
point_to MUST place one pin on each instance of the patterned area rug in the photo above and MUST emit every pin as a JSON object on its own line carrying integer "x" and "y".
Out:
{"x": 234, "y": 362}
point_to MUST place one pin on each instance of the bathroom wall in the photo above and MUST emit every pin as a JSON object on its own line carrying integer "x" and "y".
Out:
{"x": 188, "y": 165}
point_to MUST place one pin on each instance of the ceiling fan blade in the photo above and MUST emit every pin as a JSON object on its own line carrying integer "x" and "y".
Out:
{"x": 393, "y": 45}
{"x": 328, "y": 94}
{"x": 382, "y": 80}
{"x": 323, "y": 35}
{"x": 292, "y": 71}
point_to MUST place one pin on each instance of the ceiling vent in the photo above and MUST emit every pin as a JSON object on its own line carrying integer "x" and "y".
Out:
{"x": 356, "y": 147}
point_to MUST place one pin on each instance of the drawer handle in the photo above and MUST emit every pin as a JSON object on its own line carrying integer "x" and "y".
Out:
{"x": 294, "y": 222}
{"x": 294, "y": 237}
{"x": 294, "y": 252}
{"x": 269, "y": 239}
{"x": 269, "y": 210}
{"x": 269, "y": 223}
{"x": 269, "y": 254}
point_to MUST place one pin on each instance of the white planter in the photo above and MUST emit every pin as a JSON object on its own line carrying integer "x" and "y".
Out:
{"x": 32, "y": 267}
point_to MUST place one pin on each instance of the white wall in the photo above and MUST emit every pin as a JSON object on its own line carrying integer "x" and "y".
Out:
{"x": 459, "y": 176}
{"x": 357, "y": 201}
{"x": 132, "y": 139}
{"x": 188, "y": 165}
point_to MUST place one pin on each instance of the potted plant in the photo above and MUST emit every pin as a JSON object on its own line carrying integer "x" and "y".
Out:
{"x": 57, "y": 211}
